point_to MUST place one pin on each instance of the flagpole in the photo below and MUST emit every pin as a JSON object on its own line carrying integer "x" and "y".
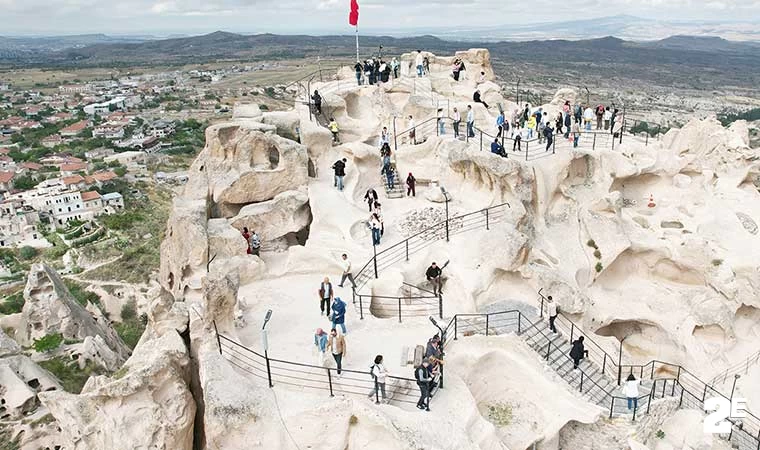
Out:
{"x": 357, "y": 42}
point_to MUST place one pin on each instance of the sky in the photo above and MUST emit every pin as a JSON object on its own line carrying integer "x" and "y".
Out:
{"x": 164, "y": 17}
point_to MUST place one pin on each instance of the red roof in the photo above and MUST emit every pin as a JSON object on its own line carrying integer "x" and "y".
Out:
{"x": 6, "y": 176}
{"x": 76, "y": 128}
{"x": 74, "y": 179}
{"x": 73, "y": 167}
{"x": 31, "y": 166}
{"x": 90, "y": 195}
{"x": 104, "y": 176}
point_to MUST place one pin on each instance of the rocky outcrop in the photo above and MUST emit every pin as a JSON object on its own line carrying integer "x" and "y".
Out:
{"x": 287, "y": 214}
{"x": 50, "y": 308}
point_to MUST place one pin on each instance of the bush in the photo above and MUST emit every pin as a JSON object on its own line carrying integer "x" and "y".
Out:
{"x": 80, "y": 294}
{"x": 72, "y": 377}
{"x": 122, "y": 221}
{"x": 597, "y": 254}
{"x": 128, "y": 311}
{"x": 130, "y": 331}
{"x": 599, "y": 267}
{"x": 27, "y": 252}
{"x": 660, "y": 434}
{"x": 47, "y": 343}
{"x": 591, "y": 243}
{"x": 500, "y": 414}
{"x": 12, "y": 304}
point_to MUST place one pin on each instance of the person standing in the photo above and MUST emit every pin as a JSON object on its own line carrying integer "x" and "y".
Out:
{"x": 457, "y": 120}
{"x": 559, "y": 122}
{"x": 426, "y": 65}
{"x": 358, "y": 68}
{"x": 517, "y": 145}
{"x": 423, "y": 377}
{"x": 433, "y": 275}
{"x": 368, "y": 72}
{"x": 346, "y": 272}
{"x": 588, "y": 117}
{"x": 578, "y": 352}
{"x": 337, "y": 345}
{"x": 412, "y": 131}
{"x": 375, "y": 225}
{"x": 599, "y": 117}
{"x": 456, "y": 68}
{"x": 325, "y": 296}
{"x": 340, "y": 172}
{"x": 410, "y": 185}
{"x": 255, "y": 243}
{"x": 631, "y": 391}
{"x": 333, "y": 126}
{"x": 500, "y": 124}
{"x": 378, "y": 211}
{"x": 339, "y": 314}
{"x": 568, "y": 122}
{"x": 379, "y": 373}
{"x": 613, "y": 119}
{"x": 549, "y": 135}
{"x": 385, "y": 138}
{"x": 531, "y": 126}
{"x": 370, "y": 197}
{"x": 394, "y": 66}
{"x": 320, "y": 341}
{"x": 470, "y": 122}
{"x": 317, "y": 99}
{"x": 441, "y": 123}
{"x": 607, "y": 118}
{"x": 551, "y": 309}
{"x": 418, "y": 61}
{"x": 576, "y": 133}
{"x": 247, "y": 237}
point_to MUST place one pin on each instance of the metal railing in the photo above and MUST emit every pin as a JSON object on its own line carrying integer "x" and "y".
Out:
{"x": 736, "y": 369}
{"x": 313, "y": 377}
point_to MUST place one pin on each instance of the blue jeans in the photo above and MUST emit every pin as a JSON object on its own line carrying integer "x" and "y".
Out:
{"x": 376, "y": 236}
{"x": 633, "y": 402}
{"x": 588, "y": 126}
{"x": 575, "y": 140}
{"x": 441, "y": 129}
{"x": 470, "y": 129}
{"x": 339, "y": 182}
{"x": 389, "y": 178}
{"x": 342, "y": 326}
{"x": 419, "y": 70}
{"x": 359, "y": 78}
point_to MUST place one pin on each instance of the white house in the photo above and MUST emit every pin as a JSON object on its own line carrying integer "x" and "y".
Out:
{"x": 113, "y": 202}
{"x": 105, "y": 107}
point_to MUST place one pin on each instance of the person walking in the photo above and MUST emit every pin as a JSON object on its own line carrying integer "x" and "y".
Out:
{"x": 385, "y": 138}
{"x": 255, "y": 243}
{"x": 568, "y": 122}
{"x": 378, "y": 210}
{"x": 613, "y": 119}
{"x": 558, "y": 122}
{"x": 347, "y": 274}
{"x": 379, "y": 373}
{"x": 549, "y": 135}
{"x": 517, "y": 145}
{"x": 317, "y": 99}
{"x": 531, "y": 126}
{"x": 470, "y": 122}
{"x": 433, "y": 275}
{"x": 320, "y": 341}
{"x": 325, "y": 296}
{"x": 500, "y": 124}
{"x": 578, "y": 352}
{"x": 247, "y": 237}
{"x": 333, "y": 127}
{"x": 456, "y": 121}
{"x": 552, "y": 311}
{"x": 423, "y": 377}
{"x": 578, "y": 113}
{"x": 358, "y": 68}
{"x": 418, "y": 61}
{"x": 441, "y": 123}
{"x": 576, "y": 133}
{"x": 339, "y": 314}
{"x": 370, "y": 197}
{"x": 375, "y": 225}
{"x": 339, "y": 167}
{"x": 412, "y": 131}
{"x": 599, "y": 117}
{"x": 337, "y": 345}
{"x": 388, "y": 171}
{"x": 410, "y": 185}
{"x": 631, "y": 391}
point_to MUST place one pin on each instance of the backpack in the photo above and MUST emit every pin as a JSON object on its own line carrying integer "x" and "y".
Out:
{"x": 371, "y": 374}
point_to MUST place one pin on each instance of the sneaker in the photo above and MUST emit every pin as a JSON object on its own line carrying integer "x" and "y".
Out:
{"x": 420, "y": 407}
{"x": 340, "y": 285}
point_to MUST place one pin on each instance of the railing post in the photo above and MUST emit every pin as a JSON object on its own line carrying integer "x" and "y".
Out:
{"x": 455, "y": 327}
{"x": 581, "y": 387}
{"x": 554, "y": 146}
{"x": 635, "y": 409}
{"x": 646, "y": 141}
{"x": 673, "y": 391}
{"x": 572, "y": 331}
{"x": 353, "y": 295}
{"x": 361, "y": 308}
{"x": 487, "y": 219}
{"x": 652, "y": 374}
{"x": 487, "y": 316}
{"x": 395, "y": 137}
{"x": 620, "y": 362}
{"x": 664, "y": 385}
{"x": 441, "y": 366}
{"x": 612, "y": 405}
{"x": 218, "y": 339}
{"x": 399, "y": 310}
{"x": 541, "y": 311}
{"x": 593, "y": 145}
{"x": 329, "y": 380}
{"x": 374, "y": 257}
{"x": 527, "y": 147}
{"x": 704, "y": 394}
{"x": 269, "y": 370}
{"x": 604, "y": 363}
{"x": 406, "y": 245}
{"x": 548, "y": 350}
{"x": 440, "y": 304}
{"x": 377, "y": 397}
{"x": 481, "y": 140}
{"x": 519, "y": 324}
{"x": 680, "y": 400}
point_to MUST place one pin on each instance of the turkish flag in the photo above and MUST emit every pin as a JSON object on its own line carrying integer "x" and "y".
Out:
{"x": 353, "y": 16}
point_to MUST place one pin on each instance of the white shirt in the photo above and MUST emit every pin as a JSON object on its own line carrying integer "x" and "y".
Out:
{"x": 470, "y": 116}
{"x": 384, "y": 138}
{"x": 418, "y": 59}
{"x": 607, "y": 114}
{"x": 411, "y": 123}
{"x": 457, "y": 117}
{"x": 588, "y": 114}
{"x": 631, "y": 388}
{"x": 552, "y": 308}
{"x": 346, "y": 266}
{"x": 378, "y": 370}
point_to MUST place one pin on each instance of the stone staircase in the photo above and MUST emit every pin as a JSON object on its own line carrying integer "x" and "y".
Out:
{"x": 398, "y": 189}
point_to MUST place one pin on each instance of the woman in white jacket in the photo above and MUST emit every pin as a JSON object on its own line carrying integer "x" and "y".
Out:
{"x": 379, "y": 373}
{"x": 631, "y": 391}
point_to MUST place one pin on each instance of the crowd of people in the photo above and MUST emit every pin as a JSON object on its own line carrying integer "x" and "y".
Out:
{"x": 375, "y": 71}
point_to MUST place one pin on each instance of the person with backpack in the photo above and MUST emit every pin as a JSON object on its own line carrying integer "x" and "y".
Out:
{"x": 317, "y": 99}
{"x": 339, "y": 167}
{"x": 631, "y": 391}
{"x": 370, "y": 197}
{"x": 358, "y": 68}
{"x": 337, "y": 345}
{"x": 410, "y": 185}
{"x": 346, "y": 272}
{"x": 549, "y": 135}
{"x": 578, "y": 113}
{"x": 379, "y": 373}
{"x": 339, "y": 314}
{"x": 568, "y": 122}
{"x": 254, "y": 243}
{"x": 320, "y": 341}
{"x": 552, "y": 311}
{"x": 325, "y": 296}
{"x": 578, "y": 352}
{"x": 247, "y": 237}
{"x": 424, "y": 379}
{"x": 599, "y": 116}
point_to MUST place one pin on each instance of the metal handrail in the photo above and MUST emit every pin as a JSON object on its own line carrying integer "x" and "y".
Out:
{"x": 752, "y": 359}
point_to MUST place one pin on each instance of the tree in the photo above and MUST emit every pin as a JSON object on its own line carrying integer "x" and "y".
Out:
{"x": 27, "y": 252}
{"x": 24, "y": 182}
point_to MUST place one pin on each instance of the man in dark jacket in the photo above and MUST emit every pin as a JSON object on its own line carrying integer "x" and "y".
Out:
{"x": 370, "y": 197}
{"x": 578, "y": 352}
{"x": 496, "y": 148}
{"x": 317, "y": 99}
{"x": 358, "y": 68}
{"x": 340, "y": 171}
{"x": 433, "y": 275}
{"x": 549, "y": 135}
{"x": 424, "y": 378}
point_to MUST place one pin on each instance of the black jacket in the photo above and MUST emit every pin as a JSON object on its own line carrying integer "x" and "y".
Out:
{"x": 371, "y": 194}
{"x": 578, "y": 350}
{"x": 433, "y": 272}
{"x": 340, "y": 168}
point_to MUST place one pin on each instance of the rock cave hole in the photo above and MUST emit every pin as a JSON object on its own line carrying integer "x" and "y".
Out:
{"x": 34, "y": 383}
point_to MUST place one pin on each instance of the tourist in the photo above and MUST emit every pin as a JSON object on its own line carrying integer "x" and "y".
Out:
{"x": 358, "y": 68}
{"x": 566, "y": 108}
{"x": 376, "y": 70}
{"x": 337, "y": 345}
{"x": 385, "y": 152}
{"x": 517, "y": 145}
{"x": 433, "y": 275}
{"x": 410, "y": 185}
{"x": 482, "y": 78}
{"x": 470, "y": 122}
{"x": 500, "y": 124}
{"x": 394, "y": 67}
{"x": 456, "y": 121}
{"x": 613, "y": 119}
{"x": 558, "y": 122}
{"x": 441, "y": 123}
{"x": 599, "y": 117}
{"x": 347, "y": 275}
{"x": 339, "y": 314}
{"x": 578, "y": 352}
{"x": 588, "y": 117}
{"x": 531, "y": 126}
{"x": 412, "y": 131}
{"x": 247, "y": 237}
{"x": 340, "y": 172}
{"x": 576, "y": 133}
{"x": 385, "y": 137}
{"x": 370, "y": 197}
{"x": 578, "y": 113}
{"x": 426, "y": 65}
{"x": 568, "y": 122}
{"x": 418, "y": 61}
{"x": 456, "y": 69}
{"x": 325, "y": 296}
{"x": 320, "y": 341}
{"x": 631, "y": 391}
{"x": 476, "y": 98}
{"x": 385, "y": 72}
{"x": 525, "y": 115}
{"x": 433, "y": 350}
{"x": 388, "y": 171}
{"x": 496, "y": 148}
{"x": 424, "y": 379}
{"x": 607, "y": 117}
{"x": 333, "y": 126}
{"x": 552, "y": 311}
{"x": 317, "y": 99}
{"x": 379, "y": 373}
{"x": 375, "y": 225}
{"x": 255, "y": 243}
{"x": 549, "y": 135}
{"x": 368, "y": 72}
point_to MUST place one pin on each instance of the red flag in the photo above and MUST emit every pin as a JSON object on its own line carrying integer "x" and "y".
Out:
{"x": 353, "y": 16}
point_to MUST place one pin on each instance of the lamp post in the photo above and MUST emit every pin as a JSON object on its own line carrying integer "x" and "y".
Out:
{"x": 447, "y": 198}
{"x": 733, "y": 388}
{"x": 265, "y": 345}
